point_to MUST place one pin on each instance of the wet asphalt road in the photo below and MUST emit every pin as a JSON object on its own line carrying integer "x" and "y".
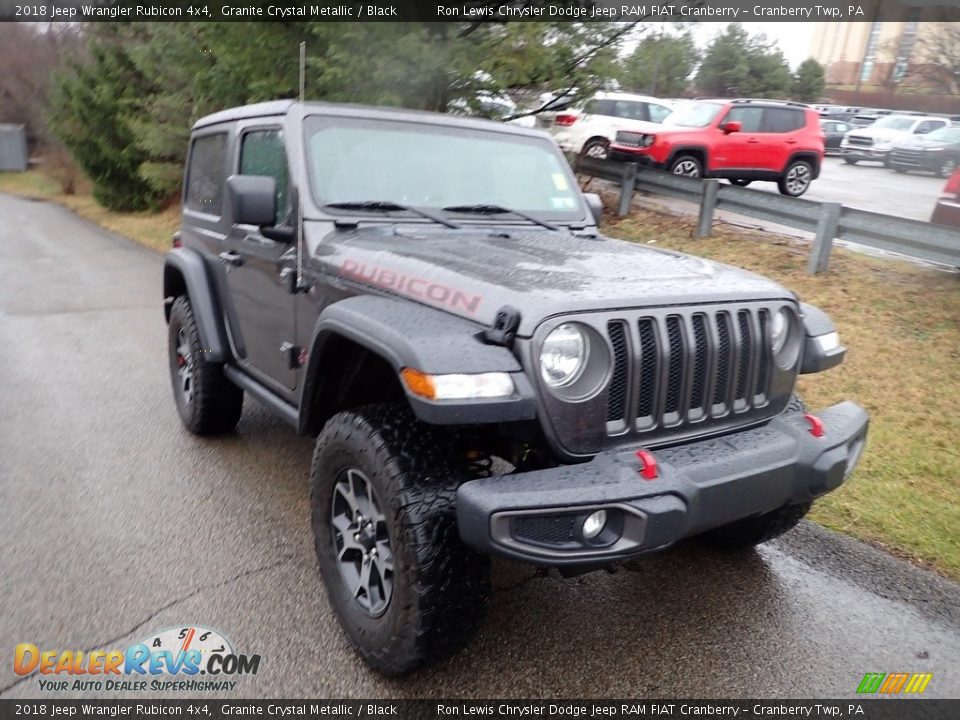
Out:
{"x": 116, "y": 523}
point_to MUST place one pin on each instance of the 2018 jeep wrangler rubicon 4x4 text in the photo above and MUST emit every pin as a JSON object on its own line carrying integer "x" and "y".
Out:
{"x": 484, "y": 373}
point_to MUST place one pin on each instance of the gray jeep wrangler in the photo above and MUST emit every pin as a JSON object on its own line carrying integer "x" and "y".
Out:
{"x": 484, "y": 373}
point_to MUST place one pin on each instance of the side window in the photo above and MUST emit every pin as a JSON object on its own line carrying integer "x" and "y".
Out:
{"x": 206, "y": 174}
{"x": 782, "y": 120}
{"x": 629, "y": 110}
{"x": 928, "y": 126}
{"x": 658, "y": 112}
{"x": 600, "y": 107}
{"x": 843, "y": 127}
{"x": 749, "y": 118}
{"x": 262, "y": 153}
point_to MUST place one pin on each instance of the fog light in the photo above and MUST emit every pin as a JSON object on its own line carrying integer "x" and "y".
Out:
{"x": 594, "y": 524}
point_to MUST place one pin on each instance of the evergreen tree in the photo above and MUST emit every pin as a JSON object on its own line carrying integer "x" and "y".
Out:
{"x": 660, "y": 65}
{"x": 808, "y": 81}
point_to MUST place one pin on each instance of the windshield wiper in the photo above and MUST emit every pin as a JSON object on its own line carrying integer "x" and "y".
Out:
{"x": 390, "y": 206}
{"x": 498, "y": 210}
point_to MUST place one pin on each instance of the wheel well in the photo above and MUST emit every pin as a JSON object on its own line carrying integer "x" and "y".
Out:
{"x": 699, "y": 153}
{"x": 601, "y": 138}
{"x": 349, "y": 375}
{"x": 811, "y": 158}
{"x": 174, "y": 285}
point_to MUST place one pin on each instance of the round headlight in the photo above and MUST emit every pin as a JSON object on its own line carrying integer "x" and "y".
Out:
{"x": 564, "y": 355}
{"x": 779, "y": 330}
{"x": 648, "y": 140}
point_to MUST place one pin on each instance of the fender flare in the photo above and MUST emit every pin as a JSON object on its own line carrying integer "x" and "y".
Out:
{"x": 184, "y": 270}
{"x": 407, "y": 334}
{"x": 816, "y": 323}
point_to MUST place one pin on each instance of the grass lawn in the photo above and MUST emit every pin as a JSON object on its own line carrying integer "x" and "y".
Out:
{"x": 900, "y": 322}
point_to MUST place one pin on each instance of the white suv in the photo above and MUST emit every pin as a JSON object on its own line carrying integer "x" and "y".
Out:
{"x": 875, "y": 142}
{"x": 590, "y": 130}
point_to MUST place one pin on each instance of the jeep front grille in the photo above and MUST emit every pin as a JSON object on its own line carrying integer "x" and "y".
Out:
{"x": 629, "y": 138}
{"x": 675, "y": 368}
{"x": 677, "y": 373}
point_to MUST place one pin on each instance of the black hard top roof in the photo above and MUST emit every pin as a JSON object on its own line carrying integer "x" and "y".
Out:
{"x": 276, "y": 108}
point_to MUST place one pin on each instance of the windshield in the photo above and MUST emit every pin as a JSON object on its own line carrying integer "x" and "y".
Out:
{"x": 895, "y": 122}
{"x": 693, "y": 115}
{"x": 429, "y": 166}
{"x": 947, "y": 134}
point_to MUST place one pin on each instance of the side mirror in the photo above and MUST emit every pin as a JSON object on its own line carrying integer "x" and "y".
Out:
{"x": 253, "y": 199}
{"x": 596, "y": 206}
{"x": 731, "y": 127}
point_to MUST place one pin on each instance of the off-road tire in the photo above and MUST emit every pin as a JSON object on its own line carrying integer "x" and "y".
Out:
{"x": 216, "y": 403}
{"x": 753, "y": 531}
{"x": 757, "y": 530}
{"x": 440, "y": 585}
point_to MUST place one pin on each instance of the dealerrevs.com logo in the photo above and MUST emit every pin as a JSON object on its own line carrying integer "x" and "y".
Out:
{"x": 188, "y": 659}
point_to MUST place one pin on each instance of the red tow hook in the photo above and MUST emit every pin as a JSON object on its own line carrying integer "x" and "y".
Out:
{"x": 648, "y": 465}
{"x": 816, "y": 425}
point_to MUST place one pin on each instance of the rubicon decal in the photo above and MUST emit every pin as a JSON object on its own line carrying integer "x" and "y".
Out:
{"x": 411, "y": 286}
{"x": 182, "y": 653}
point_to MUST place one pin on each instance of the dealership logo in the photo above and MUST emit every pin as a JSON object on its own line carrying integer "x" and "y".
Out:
{"x": 172, "y": 659}
{"x": 894, "y": 683}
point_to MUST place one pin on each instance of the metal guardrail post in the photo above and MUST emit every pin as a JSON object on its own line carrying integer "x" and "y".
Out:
{"x": 826, "y": 232}
{"x": 627, "y": 185}
{"x": 708, "y": 203}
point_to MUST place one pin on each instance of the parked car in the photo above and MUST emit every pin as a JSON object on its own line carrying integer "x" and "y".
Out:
{"x": 588, "y": 131}
{"x": 484, "y": 372}
{"x": 947, "y": 209}
{"x": 875, "y": 142}
{"x": 833, "y": 132}
{"x": 741, "y": 140}
{"x": 937, "y": 152}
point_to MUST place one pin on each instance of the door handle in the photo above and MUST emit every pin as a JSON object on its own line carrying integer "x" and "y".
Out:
{"x": 230, "y": 257}
{"x": 791, "y": 142}
{"x": 753, "y": 141}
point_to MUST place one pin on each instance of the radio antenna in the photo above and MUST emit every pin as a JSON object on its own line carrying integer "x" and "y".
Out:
{"x": 300, "y": 238}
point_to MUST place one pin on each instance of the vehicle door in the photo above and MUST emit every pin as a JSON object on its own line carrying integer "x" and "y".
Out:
{"x": 741, "y": 150}
{"x": 781, "y": 136}
{"x": 260, "y": 270}
{"x": 204, "y": 227}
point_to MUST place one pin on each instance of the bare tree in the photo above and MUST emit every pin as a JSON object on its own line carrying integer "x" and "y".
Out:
{"x": 29, "y": 54}
{"x": 937, "y": 57}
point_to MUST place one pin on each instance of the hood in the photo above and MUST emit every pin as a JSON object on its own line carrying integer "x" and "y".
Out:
{"x": 881, "y": 133}
{"x": 474, "y": 272}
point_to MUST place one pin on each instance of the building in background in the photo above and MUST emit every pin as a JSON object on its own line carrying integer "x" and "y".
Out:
{"x": 904, "y": 57}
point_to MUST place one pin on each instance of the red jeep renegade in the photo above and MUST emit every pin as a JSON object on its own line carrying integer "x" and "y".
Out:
{"x": 741, "y": 140}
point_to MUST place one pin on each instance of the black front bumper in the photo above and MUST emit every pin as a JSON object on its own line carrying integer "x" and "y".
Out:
{"x": 537, "y": 516}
